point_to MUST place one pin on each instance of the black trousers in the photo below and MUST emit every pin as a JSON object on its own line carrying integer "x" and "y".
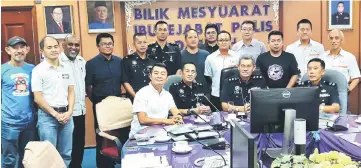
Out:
{"x": 216, "y": 101}
{"x": 78, "y": 141}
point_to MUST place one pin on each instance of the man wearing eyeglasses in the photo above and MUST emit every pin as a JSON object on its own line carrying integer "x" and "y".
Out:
{"x": 220, "y": 59}
{"x": 248, "y": 45}
{"x": 136, "y": 67}
{"x": 210, "y": 33}
{"x": 103, "y": 79}
{"x": 163, "y": 51}
{"x": 238, "y": 89}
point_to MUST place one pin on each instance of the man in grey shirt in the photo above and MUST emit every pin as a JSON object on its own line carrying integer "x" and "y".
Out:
{"x": 248, "y": 45}
{"x": 195, "y": 55}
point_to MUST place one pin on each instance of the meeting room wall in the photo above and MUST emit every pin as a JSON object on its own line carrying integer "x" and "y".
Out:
{"x": 290, "y": 13}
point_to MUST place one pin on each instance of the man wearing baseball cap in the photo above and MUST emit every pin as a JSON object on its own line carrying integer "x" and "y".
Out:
{"x": 17, "y": 123}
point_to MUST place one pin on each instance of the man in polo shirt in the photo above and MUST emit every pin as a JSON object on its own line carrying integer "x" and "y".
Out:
{"x": 223, "y": 58}
{"x": 338, "y": 59}
{"x": 152, "y": 103}
{"x": 305, "y": 49}
{"x": 70, "y": 56}
{"x": 103, "y": 79}
{"x": 248, "y": 45}
{"x": 17, "y": 122}
{"x": 53, "y": 86}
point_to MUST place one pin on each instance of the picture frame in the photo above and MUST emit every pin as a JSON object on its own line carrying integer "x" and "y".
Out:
{"x": 340, "y": 14}
{"x": 101, "y": 18}
{"x": 58, "y": 21}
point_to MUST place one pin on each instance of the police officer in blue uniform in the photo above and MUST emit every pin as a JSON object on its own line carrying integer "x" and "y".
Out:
{"x": 136, "y": 66}
{"x": 238, "y": 89}
{"x": 329, "y": 99}
{"x": 163, "y": 51}
{"x": 189, "y": 95}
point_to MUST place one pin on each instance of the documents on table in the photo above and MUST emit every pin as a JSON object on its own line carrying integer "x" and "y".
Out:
{"x": 148, "y": 160}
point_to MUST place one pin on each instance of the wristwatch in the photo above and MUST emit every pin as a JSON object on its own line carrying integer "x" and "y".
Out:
{"x": 189, "y": 111}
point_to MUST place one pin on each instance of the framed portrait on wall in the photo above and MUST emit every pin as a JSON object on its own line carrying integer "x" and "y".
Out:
{"x": 100, "y": 16}
{"x": 58, "y": 21}
{"x": 340, "y": 14}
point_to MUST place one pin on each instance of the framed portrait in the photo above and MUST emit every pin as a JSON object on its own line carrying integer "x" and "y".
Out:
{"x": 58, "y": 21}
{"x": 340, "y": 14}
{"x": 100, "y": 16}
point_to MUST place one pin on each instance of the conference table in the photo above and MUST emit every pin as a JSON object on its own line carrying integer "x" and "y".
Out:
{"x": 348, "y": 142}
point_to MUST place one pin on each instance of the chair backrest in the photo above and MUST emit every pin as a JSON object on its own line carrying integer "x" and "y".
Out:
{"x": 114, "y": 113}
{"x": 227, "y": 73}
{"x": 341, "y": 82}
{"x": 172, "y": 79}
{"x": 42, "y": 154}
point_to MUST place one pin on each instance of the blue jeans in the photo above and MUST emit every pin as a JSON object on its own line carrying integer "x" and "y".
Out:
{"x": 61, "y": 136}
{"x": 13, "y": 141}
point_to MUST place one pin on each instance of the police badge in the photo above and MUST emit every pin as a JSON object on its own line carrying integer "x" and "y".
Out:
{"x": 236, "y": 89}
{"x": 181, "y": 91}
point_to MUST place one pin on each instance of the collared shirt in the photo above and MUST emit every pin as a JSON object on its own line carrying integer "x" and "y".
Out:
{"x": 104, "y": 76}
{"x": 239, "y": 91}
{"x": 156, "y": 105}
{"x": 303, "y": 54}
{"x": 207, "y": 47}
{"x": 53, "y": 82}
{"x": 135, "y": 70}
{"x": 78, "y": 69}
{"x": 16, "y": 99}
{"x": 170, "y": 55}
{"x": 214, "y": 65}
{"x": 187, "y": 97}
{"x": 345, "y": 62}
{"x": 255, "y": 48}
{"x": 100, "y": 25}
{"x": 328, "y": 91}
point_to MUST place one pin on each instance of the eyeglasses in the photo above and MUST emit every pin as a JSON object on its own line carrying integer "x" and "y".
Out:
{"x": 223, "y": 40}
{"x": 106, "y": 44}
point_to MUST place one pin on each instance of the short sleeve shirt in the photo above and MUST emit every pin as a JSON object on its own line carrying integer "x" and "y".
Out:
{"x": 53, "y": 82}
{"x": 255, "y": 48}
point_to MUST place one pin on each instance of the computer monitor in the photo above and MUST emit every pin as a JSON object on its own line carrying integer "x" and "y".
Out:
{"x": 243, "y": 147}
{"x": 267, "y": 108}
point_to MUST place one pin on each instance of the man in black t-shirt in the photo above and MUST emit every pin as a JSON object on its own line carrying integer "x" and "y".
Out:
{"x": 279, "y": 68}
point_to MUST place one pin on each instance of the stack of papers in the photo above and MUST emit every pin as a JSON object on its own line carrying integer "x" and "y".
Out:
{"x": 148, "y": 160}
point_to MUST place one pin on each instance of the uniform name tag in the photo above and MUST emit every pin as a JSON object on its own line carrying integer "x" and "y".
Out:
{"x": 65, "y": 76}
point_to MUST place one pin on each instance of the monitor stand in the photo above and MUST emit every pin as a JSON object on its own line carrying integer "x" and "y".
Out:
{"x": 287, "y": 143}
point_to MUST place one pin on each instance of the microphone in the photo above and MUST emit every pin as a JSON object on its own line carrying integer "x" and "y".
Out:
{"x": 194, "y": 113}
{"x": 219, "y": 126}
{"x": 205, "y": 146}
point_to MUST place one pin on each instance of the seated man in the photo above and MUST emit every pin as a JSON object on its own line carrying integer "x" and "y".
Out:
{"x": 330, "y": 102}
{"x": 152, "y": 103}
{"x": 188, "y": 94}
{"x": 237, "y": 89}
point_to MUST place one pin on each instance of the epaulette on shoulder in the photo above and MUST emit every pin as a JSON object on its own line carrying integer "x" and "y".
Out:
{"x": 304, "y": 83}
{"x": 233, "y": 79}
{"x": 174, "y": 44}
{"x": 176, "y": 83}
{"x": 198, "y": 84}
{"x": 257, "y": 77}
{"x": 330, "y": 83}
{"x": 151, "y": 44}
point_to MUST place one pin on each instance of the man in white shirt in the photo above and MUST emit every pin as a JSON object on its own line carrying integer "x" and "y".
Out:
{"x": 53, "y": 86}
{"x": 248, "y": 45}
{"x": 305, "y": 48}
{"x": 70, "y": 56}
{"x": 152, "y": 103}
{"x": 215, "y": 62}
{"x": 338, "y": 59}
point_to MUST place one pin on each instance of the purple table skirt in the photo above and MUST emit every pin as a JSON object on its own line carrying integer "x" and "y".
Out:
{"x": 328, "y": 142}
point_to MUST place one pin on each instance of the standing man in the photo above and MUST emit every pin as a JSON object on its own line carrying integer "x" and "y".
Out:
{"x": 340, "y": 17}
{"x": 163, "y": 51}
{"x": 17, "y": 121}
{"x": 248, "y": 45}
{"x": 100, "y": 17}
{"x": 211, "y": 33}
{"x": 193, "y": 54}
{"x": 136, "y": 66}
{"x": 188, "y": 94}
{"x": 222, "y": 58}
{"x": 57, "y": 25}
{"x": 305, "y": 48}
{"x": 70, "y": 56}
{"x": 103, "y": 79}
{"x": 53, "y": 86}
{"x": 338, "y": 59}
{"x": 279, "y": 68}
{"x": 238, "y": 89}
